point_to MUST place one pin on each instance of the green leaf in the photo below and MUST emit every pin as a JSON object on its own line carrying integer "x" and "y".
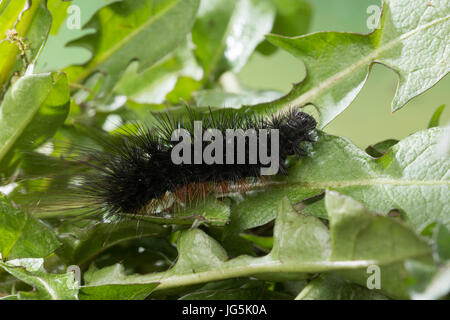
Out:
{"x": 333, "y": 287}
{"x": 223, "y": 99}
{"x": 316, "y": 208}
{"x": 265, "y": 243}
{"x": 299, "y": 238}
{"x": 227, "y": 31}
{"x": 293, "y": 19}
{"x": 32, "y": 24}
{"x": 103, "y": 236}
{"x": 442, "y": 241}
{"x": 412, "y": 177}
{"x": 209, "y": 211}
{"x": 10, "y": 297}
{"x": 106, "y": 284}
{"x": 420, "y": 276}
{"x": 379, "y": 149}
{"x": 261, "y": 207}
{"x": 338, "y": 64}
{"x": 58, "y": 9}
{"x": 124, "y": 32}
{"x": 33, "y": 109}
{"x": 183, "y": 90}
{"x": 429, "y": 283}
{"x": 246, "y": 290}
{"x": 153, "y": 84}
{"x": 434, "y": 121}
{"x": 301, "y": 245}
{"x": 356, "y": 234}
{"x": 48, "y": 286}
{"x": 22, "y": 236}
{"x": 354, "y": 230}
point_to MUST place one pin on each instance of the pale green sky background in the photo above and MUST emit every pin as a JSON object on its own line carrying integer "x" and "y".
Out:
{"x": 367, "y": 120}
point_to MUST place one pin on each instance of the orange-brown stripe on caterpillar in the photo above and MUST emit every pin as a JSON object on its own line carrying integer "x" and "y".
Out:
{"x": 193, "y": 194}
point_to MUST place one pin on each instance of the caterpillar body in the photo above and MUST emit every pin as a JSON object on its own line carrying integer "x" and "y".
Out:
{"x": 135, "y": 172}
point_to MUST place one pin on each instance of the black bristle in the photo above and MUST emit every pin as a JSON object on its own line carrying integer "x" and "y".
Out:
{"x": 137, "y": 168}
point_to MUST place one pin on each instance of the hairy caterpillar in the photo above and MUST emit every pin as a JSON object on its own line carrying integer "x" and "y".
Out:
{"x": 135, "y": 173}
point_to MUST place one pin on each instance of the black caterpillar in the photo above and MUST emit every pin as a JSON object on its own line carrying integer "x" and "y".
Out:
{"x": 136, "y": 172}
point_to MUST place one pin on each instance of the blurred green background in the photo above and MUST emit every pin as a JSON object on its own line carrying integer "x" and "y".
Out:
{"x": 366, "y": 121}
